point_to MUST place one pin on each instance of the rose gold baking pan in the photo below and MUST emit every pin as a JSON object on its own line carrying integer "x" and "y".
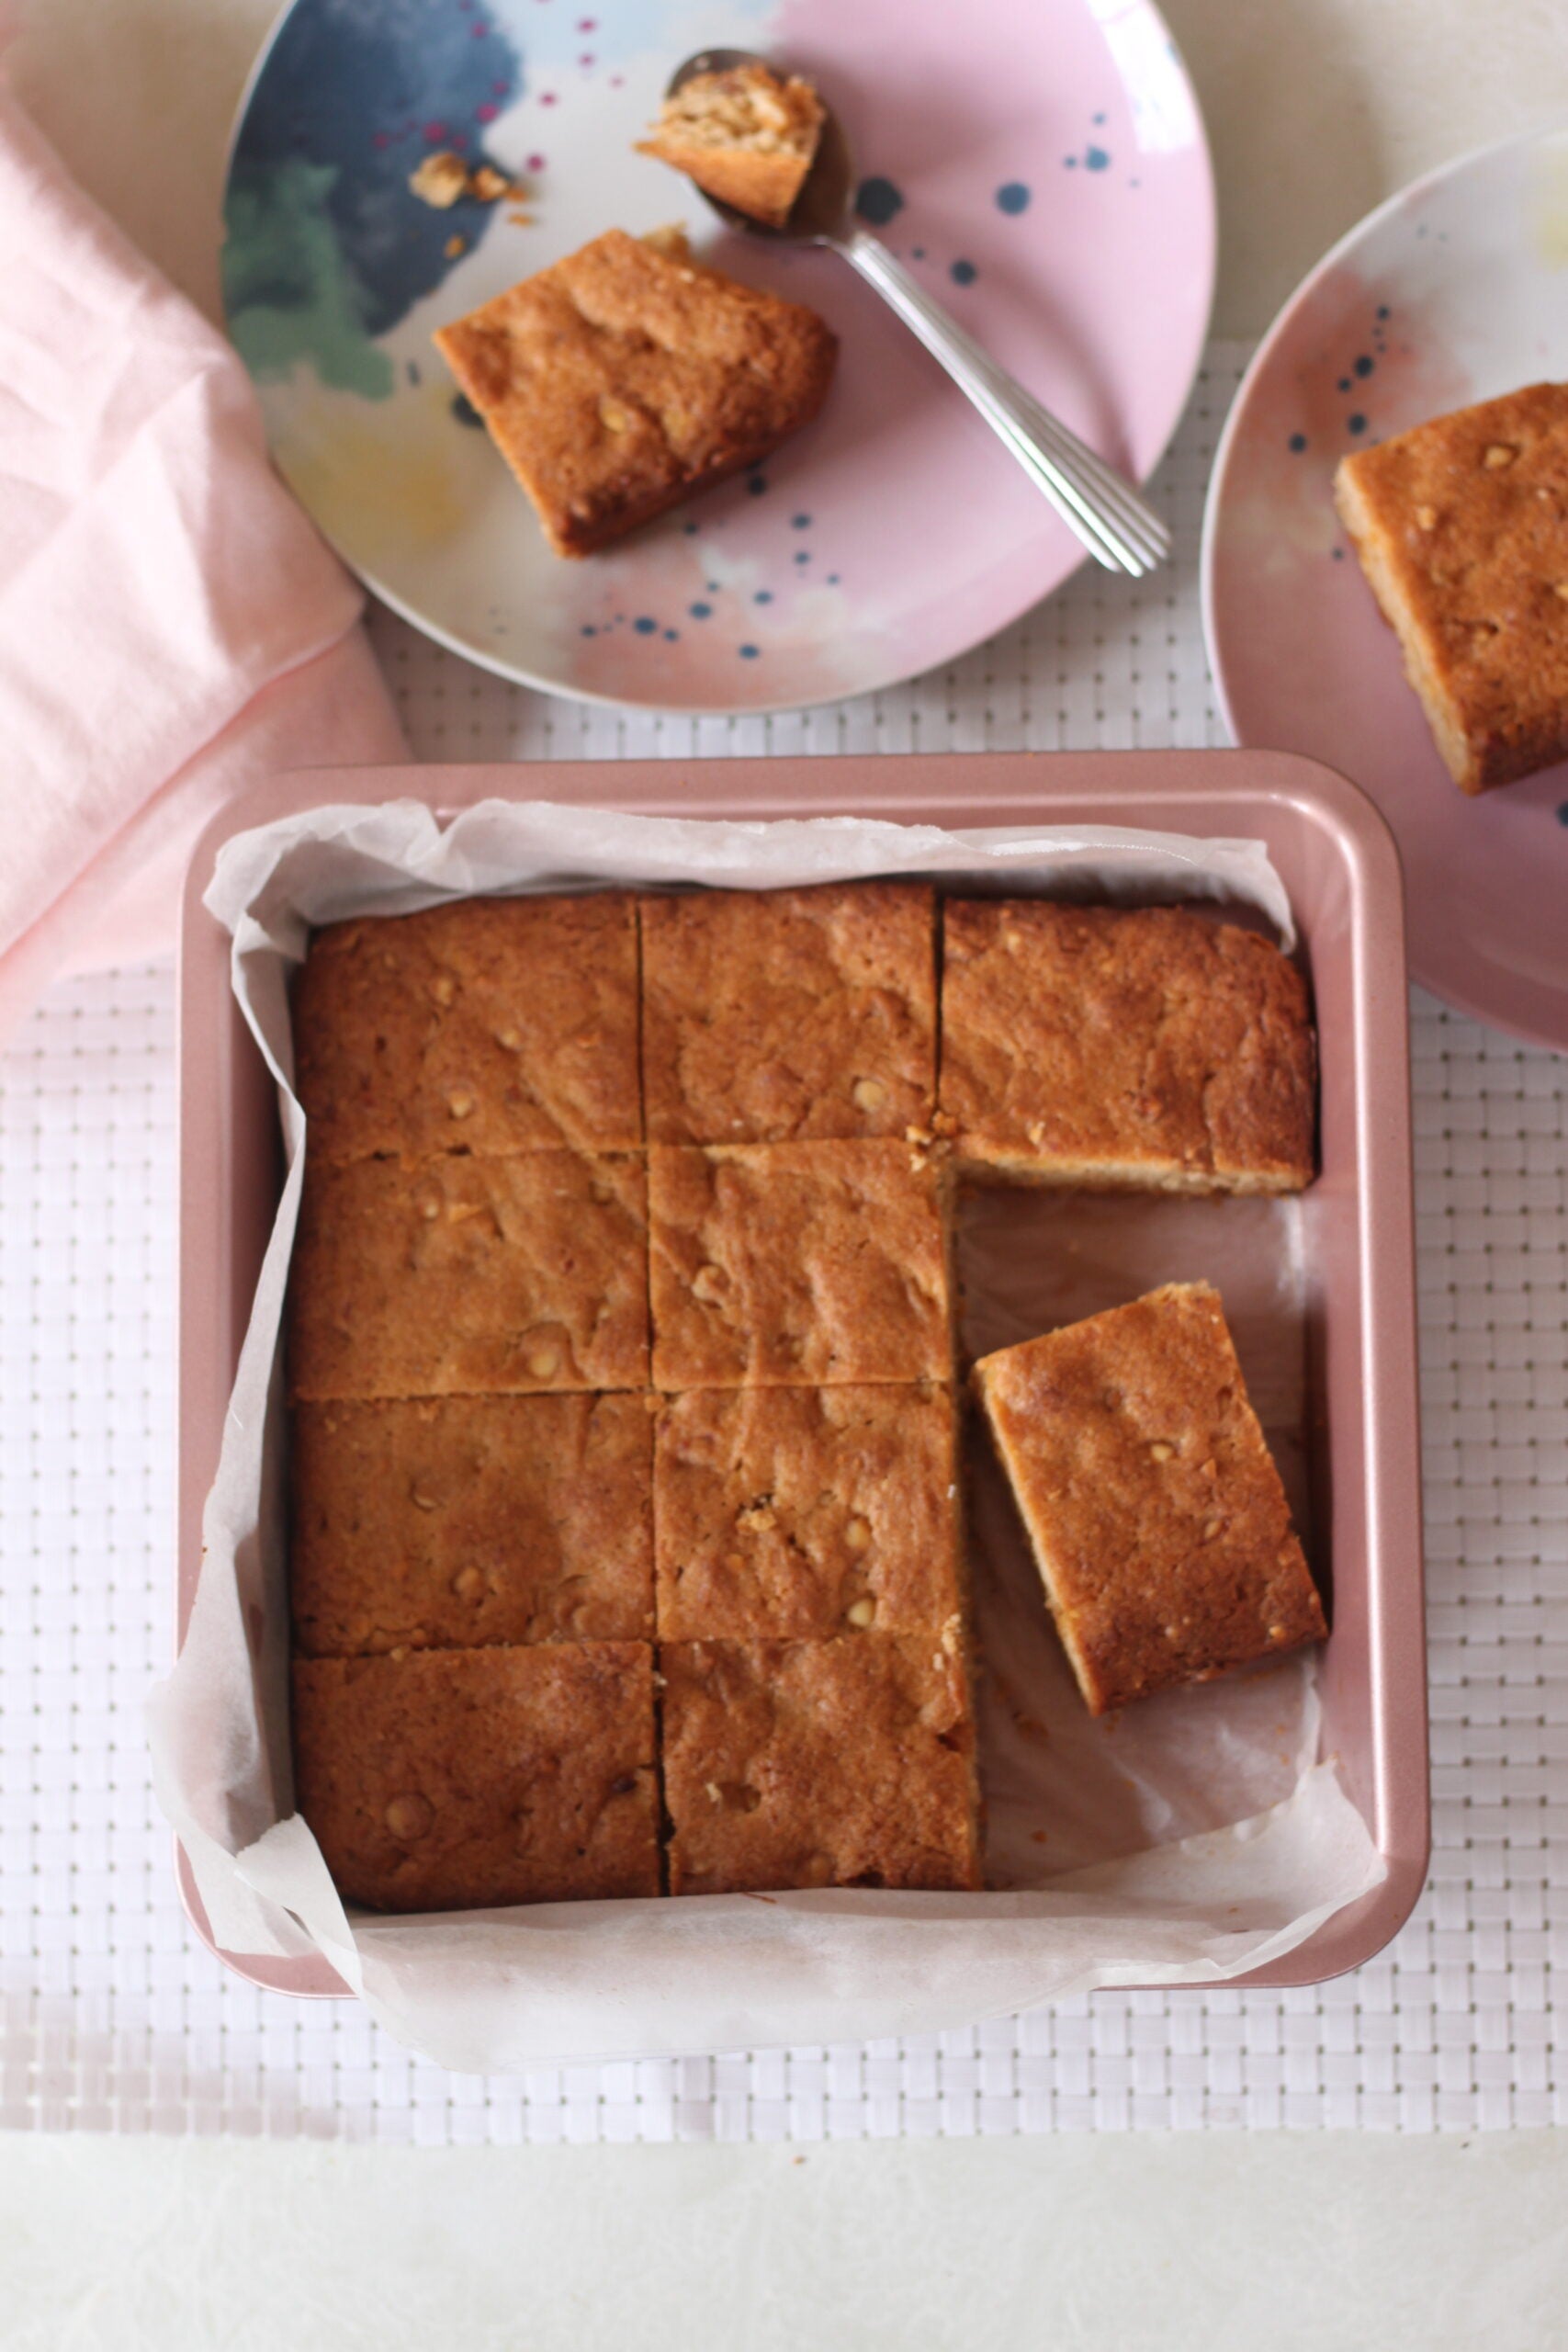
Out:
{"x": 1339, "y": 864}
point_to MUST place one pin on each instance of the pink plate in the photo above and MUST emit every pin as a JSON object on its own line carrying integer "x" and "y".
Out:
{"x": 1039, "y": 164}
{"x": 1449, "y": 293}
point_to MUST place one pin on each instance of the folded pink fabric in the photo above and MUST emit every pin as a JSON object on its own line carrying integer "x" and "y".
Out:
{"x": 171, "y": 624}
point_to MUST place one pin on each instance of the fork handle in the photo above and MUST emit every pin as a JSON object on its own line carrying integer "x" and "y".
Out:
{"x": 1006, "y": 408}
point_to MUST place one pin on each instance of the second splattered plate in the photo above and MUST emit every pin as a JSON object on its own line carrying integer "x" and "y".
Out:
{"x": 1041, "y": 163}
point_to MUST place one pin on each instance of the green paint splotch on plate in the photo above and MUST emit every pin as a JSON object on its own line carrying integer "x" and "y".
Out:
{"x": 290, "y": 295}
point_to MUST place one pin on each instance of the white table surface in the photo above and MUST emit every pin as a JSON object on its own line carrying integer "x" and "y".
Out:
{"x": 1316, "y": 108}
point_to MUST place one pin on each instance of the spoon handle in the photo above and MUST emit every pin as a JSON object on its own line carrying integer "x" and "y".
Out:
{"x": 1116, "y": 526}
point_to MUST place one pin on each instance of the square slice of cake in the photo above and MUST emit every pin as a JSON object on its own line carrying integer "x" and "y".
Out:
{"x": 485, "y": 1025}
{"x": 806, "y": 1264}
{"x": 842, "y": 1763}
{"x": 1144, "y": 1049}
{"x": 1462, "y": 528}
{"x": 774, "y": 1014}
{"x": 788, "y": 1513}
{"x": 455, "y": 1780}
{"x": 744, "y": 134}
{"x": 457, "y": 1522}
{"x": 470, "y": 1277}
{"x": 1156, "y": 1512}
{"x": 622, "y": 379}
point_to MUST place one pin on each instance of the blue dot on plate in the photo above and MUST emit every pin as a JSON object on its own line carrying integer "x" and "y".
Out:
{"x": 690, "y": 529}
{"x": 747, "y": 652}
{"x": 1012, "y": 197}
{"x": 644, "y": 625}
{"x": 964, "y": 273}
{"x": 1100, "y": 118}
{"x": 833, "y": 580}
{"x": 1096, "y": 159}
{"x": 763, "y": 596}
{"x": 589, "y": 629}
{"x": 805, "y": 556}
{"x": 1383, "y": 310}
{"x": 1364, "y": 365}
{"x": 1562, "y": 812}
{"x": 877, "y": 200}
{"x": 1358, "y": 423}
{"x": 756, "y": 484}
{"x": 1343, "y": 383}
{"x": 800, "y": 521}
{"x": 917, "y": 253}
{"x": 1298, "y": 442}
{"x": 1071, "y": 161}
{"x": 699, "y": 612}
{"x": 671, "y": 634}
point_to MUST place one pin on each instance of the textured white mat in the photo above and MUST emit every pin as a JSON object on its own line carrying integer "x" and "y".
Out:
{"x": 113, "y": 2017}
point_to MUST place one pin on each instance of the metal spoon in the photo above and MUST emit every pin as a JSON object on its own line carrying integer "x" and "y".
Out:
{"x": 1113, "y": 522}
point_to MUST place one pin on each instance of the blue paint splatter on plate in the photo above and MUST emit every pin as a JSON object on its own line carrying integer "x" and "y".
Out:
{"x": 1012, "y": 197}
{"x": 877, "y": 200}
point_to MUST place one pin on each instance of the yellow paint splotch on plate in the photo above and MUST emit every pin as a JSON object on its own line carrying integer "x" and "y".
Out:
{"x": 390, "y": 483}
{"x": 1548, "y": 201}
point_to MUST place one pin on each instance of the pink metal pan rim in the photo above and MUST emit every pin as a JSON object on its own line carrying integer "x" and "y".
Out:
{"x": 1242, "y": 792}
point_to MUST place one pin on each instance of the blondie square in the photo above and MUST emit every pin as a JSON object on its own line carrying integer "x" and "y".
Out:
{"x": 461, "y": 1521}
{"x": 786, "y": 1513}
{"x": 470, "y": 1277}
{"x": 1152, "y": 1502}
{"x": 806, "y": 1264}
{"x": 452, "y": 1779}
{"x": 486, "y": 1026}
{"x": 744, "y": 134}
{"x": 1462, "y": 528}
{"x": 1144, "y": 1048}
{"x": 776, "y": 1014}
{"x": 622, "y": 379}
{"x": 840, "y": 1763}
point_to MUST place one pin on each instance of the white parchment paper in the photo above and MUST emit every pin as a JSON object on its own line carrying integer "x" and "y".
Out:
{"x": 1196, "y": 1836}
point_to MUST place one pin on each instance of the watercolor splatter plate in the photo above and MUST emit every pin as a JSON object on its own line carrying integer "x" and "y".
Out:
{"x": 1451, "y": 292}
{"x": 1041, "y": 163}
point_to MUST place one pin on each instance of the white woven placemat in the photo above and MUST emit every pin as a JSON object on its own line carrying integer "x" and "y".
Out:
{"x": 113, "y": 2016}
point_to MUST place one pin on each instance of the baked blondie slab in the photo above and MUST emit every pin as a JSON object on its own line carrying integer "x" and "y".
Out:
{"x": 1462, "y": 528}
{"x": 788, "y": 1513}
{"x": 842, "y": 1763}
{"x": 797, "y": 1263}
{"x": 1146, "y": 1048}
{"x": 451, "y": 1779}
{"x": 469, "y": 1276}
{"x": 622, "y": 379}
{"x": 777, "y": 1015}
{"x": 1154, "y": 1507}
{"x": 486, "y": 1026}
{"x": 459, "y": 1522}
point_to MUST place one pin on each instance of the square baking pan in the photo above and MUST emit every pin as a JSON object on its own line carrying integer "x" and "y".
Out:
{"x": 1339, "y": 866}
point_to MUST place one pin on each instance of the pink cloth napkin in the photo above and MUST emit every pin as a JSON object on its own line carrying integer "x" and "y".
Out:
{"x": 171, "y": 624}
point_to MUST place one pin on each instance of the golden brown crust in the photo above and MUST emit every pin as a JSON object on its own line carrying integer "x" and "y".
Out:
{"x": 842, "y": 1763}
{"x": 621, "y": 380}
{"x": 1154, "y": 1506}
{"x": 470, "y": 1277}
{"x": 745, "y": 134}
{"x": 1462, "y": 528}
{"x": 486, "y": 1026}
{"x": 801, "y": 1264}
{"x": 1146, "y": 1047}
{"x": 790, "y": 1513}
{"x": 455, "y": 1780}
{"x": 466, "y": 1521}
{"x": 773, "y": 1014}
